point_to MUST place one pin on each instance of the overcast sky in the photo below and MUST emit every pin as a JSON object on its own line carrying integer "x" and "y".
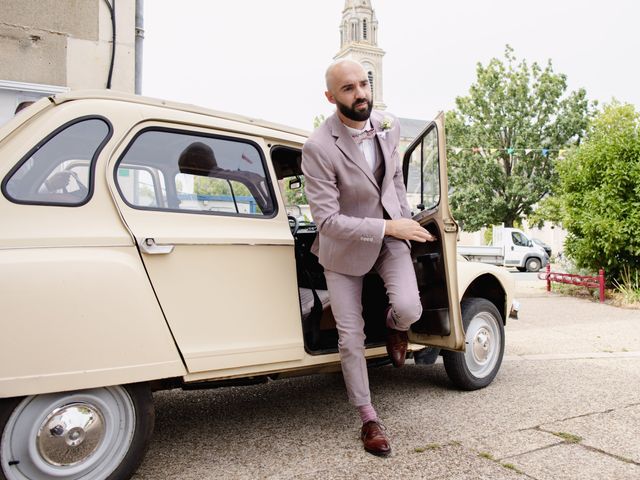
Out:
{"x": 266, "y": 58}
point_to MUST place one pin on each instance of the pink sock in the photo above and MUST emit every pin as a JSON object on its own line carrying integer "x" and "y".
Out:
{"x": 367, "y": 413}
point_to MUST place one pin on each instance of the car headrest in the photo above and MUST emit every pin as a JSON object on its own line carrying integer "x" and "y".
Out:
{"x": 197, "y": 159}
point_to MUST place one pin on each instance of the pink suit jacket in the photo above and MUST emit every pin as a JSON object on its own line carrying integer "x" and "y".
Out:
{"x": 346, "y": 201}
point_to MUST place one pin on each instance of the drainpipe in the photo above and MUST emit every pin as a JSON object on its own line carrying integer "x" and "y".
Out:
{"x": 139, "y": 40}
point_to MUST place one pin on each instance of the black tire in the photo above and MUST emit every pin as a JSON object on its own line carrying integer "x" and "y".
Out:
{"x": 126, "y": 432}
{"x": 522, "y": 269}
{"x": 477, "y": 367}
{"x": 533, "y": 264}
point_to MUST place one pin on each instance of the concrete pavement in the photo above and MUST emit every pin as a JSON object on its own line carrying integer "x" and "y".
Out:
{"x": 565, "y": 405}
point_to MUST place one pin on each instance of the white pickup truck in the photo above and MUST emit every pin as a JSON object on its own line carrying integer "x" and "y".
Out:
{"x": 510, "y": 248}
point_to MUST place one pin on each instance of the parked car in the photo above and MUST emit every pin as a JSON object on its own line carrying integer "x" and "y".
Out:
{"x": 146, "y": 245}
{"x": 510, "y": 247}
{"x": 544, "y": 246}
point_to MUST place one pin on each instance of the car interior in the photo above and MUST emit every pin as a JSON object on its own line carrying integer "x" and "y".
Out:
{"x": 320, "y": 334}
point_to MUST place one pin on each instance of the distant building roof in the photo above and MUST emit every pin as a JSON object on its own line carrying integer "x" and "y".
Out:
{"x": 411, "y": 127}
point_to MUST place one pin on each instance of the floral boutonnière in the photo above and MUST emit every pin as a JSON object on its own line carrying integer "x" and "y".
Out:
{"x": 385, "y": 125}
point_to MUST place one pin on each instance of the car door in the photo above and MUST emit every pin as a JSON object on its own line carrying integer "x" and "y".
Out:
{"x": 215, "y": 243}
{"x": 516, "y": 247}
{"x": 435, "y": 263}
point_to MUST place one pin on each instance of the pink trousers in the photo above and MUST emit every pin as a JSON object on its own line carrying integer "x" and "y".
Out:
{"x": 345, "y": 292}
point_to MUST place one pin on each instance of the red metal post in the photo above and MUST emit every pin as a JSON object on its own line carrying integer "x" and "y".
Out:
{"x": 548, "y": 277}
{"x": 601, "y": 284}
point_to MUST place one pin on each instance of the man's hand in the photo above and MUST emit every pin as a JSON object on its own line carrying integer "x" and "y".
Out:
{"x": 407, "y": 229}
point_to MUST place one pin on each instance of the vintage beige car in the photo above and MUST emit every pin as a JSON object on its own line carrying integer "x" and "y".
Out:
{"x": 148, "y": 245}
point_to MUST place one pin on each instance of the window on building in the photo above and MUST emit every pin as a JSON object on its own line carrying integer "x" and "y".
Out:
{"x": 370, "y": 75}
{"x": 364, "y": 28}
{"x": 59, "y": 170}
{"x": 184, "y": 171}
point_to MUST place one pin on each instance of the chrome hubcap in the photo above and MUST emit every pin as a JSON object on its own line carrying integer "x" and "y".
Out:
{"x": 483, "y": 344}
{"x": 70, "y": 434}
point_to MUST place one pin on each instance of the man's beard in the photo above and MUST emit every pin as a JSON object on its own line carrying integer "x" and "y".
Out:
{"x": 356, "y": 115}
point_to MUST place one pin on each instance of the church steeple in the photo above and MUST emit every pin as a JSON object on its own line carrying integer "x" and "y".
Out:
{"x": 359, "y": 42}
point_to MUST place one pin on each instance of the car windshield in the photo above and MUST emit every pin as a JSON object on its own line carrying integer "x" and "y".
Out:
{"x": 295, "y": 200}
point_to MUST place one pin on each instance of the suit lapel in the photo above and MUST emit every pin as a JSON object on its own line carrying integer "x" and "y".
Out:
{"x": 385, "y": 147}
{"x": 346, "y": 144}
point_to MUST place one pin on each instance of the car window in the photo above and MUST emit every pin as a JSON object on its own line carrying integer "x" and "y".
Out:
{"x": 142, "y": 186}
{"x": 423, "y": 176}
{"x": 519, "y": 239}
{"x": 180, "y": 171}
{"x": 58, "y": 170}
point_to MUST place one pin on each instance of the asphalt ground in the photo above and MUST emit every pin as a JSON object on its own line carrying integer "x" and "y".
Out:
{"x": 565, "y": 405}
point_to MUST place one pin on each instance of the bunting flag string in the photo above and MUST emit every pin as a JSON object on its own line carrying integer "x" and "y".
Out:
{"x": 510, "y": 150}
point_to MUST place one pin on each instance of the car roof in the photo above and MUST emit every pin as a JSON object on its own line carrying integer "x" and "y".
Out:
{"x": 183, "y": 107}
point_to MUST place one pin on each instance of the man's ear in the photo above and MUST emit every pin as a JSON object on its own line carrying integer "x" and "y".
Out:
{"x": 330, "y": 97}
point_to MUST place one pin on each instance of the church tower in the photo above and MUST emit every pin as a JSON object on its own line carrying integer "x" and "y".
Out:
{"x": 359, "y": 42}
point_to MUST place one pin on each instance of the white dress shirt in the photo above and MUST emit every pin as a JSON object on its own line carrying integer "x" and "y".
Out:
{"x": 368, "y": 149}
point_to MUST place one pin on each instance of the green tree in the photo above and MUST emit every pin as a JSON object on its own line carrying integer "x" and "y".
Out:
{"x": 599, "y": 193}
{"x": 218, "y": 186}
{"x": 504, "y": 139}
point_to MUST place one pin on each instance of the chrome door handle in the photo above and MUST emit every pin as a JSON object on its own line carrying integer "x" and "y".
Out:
{"x": 148, "y": 246}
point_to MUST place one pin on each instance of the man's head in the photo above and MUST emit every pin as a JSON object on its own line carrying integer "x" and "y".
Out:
{"x": 349, "y": 89}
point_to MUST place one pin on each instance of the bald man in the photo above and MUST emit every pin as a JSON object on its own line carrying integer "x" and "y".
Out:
{"x": 357, "y": 197}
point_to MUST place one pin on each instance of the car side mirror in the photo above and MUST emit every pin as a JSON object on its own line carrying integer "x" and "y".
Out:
{"x": 295, "y": 183}
{"x": 530, "y": 244}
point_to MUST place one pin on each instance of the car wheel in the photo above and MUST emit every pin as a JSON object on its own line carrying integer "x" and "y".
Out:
{"x": 101, "y": 433}
{"x": 533, "y": 265}
{"x": 484, "y": 337}
{"x": 522, "y": 269}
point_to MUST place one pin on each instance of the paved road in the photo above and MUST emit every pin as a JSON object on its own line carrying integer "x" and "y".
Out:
{"x": 565, "y": 405}
{"x": 524, "y": 276}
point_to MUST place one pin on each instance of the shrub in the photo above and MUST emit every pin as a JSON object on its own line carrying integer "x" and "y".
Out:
{"x": 600, "y": 194}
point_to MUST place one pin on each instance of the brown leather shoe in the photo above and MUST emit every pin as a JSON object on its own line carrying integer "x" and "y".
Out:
{"x": 374, "y": 439}
{"x": 397, "y": 342}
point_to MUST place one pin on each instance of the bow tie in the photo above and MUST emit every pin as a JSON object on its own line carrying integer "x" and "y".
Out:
{"x": 362, "y": 136}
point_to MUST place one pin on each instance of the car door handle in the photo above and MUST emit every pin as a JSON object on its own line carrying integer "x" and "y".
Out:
{"x": 148, "y": 246}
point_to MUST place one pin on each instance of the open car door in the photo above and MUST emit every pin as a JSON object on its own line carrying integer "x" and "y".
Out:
{"x": 425, "y": 176}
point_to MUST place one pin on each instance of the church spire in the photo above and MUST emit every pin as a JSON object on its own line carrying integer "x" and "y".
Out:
{"x": 359, "y": 42}
{"x": 357, "y": 3}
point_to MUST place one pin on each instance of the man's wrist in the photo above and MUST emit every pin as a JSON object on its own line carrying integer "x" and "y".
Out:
{"x": 388, "y": 228}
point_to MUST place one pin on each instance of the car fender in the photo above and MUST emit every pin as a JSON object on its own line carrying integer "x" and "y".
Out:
{"x": 92, "y": 320}
{"x": 474, "y": 276}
